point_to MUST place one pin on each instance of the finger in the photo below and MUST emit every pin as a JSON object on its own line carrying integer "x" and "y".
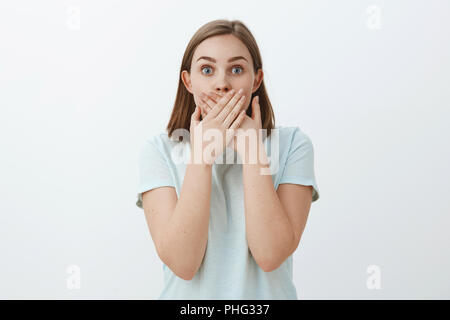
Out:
{"x": 237, "y": 123}
{"x": 203, "y": 112}
{"x": 234, "y": 112}
{"x": 207, "y": 109}
{"x": 216, "y": 96}
{"x": 208, "y": 101}
{"x": 195, "y": 117}
{"x": 256, "y": 110}
{"x": 229, "y": 106}
{"x": 216, "y": 108}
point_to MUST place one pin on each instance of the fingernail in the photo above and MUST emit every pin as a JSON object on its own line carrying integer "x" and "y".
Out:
{"x": 241, "y": 90}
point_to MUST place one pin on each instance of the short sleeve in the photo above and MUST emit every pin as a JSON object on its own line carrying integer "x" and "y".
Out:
{"x": 299, "y": 167}
{"x": 154, "y": 170}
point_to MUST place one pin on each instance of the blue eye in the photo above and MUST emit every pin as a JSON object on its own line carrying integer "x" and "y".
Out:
{"x": 209, "y": 67}
{"x": 238, "y": 67}
{"x": 205, "y": 68}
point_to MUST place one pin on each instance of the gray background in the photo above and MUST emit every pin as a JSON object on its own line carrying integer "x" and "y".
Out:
{"x": 84, "y": 83}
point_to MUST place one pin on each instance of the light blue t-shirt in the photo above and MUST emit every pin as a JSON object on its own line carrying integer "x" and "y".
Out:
{"x": 228, "y": 270}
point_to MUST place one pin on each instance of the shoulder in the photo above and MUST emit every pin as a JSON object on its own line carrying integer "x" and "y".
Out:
{"x": 160, "y": 145}
{"x": 158, "y": 138}
{"x": 162, "y": 141}
{"x": 292, "y": 136}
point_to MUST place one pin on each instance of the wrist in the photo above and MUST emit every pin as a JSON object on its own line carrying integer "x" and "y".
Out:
{"x": 199, "y": 162}
{"x": 253, "y": 155}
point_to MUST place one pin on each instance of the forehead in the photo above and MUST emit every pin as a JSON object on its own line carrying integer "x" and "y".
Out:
{"x": 221, "y": 48}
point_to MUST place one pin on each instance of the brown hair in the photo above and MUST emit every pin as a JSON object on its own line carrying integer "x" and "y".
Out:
{"x": 184, "y": 102}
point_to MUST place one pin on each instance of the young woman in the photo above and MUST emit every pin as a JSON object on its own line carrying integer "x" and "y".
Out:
{"x": 226, "y": 231}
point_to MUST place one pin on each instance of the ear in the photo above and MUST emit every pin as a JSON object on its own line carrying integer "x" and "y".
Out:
{"x": 186, "y": 78}
{"x": 258, "y": 80}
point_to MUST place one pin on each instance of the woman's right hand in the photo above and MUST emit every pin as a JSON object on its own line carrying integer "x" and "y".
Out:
{"x": 223, "y": 119}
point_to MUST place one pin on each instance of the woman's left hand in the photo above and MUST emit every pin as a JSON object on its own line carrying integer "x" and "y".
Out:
{"x": 252, "y": 123}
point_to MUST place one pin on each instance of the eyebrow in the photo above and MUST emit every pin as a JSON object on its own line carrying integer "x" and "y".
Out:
{"x": 229, "y": 60}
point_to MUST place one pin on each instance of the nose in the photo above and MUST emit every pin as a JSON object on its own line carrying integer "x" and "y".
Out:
{"x": 222, "y": 91}
{"x": 222, "y": 84}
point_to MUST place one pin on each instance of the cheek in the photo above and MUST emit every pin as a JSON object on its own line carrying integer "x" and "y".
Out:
{"x": 248, "y": 96}
{"x": 247, "y": 86}
{"x": 247, "y": 102}
{"x": 197, "y": 100}
{"x": 196, "y": 91}
{"x": 198, "y": 84}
